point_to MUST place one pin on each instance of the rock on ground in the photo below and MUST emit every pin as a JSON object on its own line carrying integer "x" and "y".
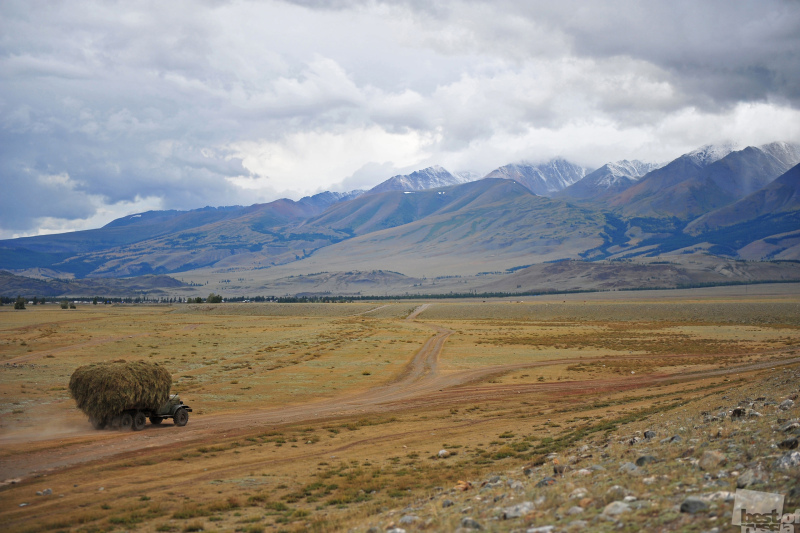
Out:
{"x": 516, "y": 511}
{"x": 616, "y": 508}
{"x": 693, "y": 505}
{"x": 711, "y": 459}
{"x": 470, "y": 523}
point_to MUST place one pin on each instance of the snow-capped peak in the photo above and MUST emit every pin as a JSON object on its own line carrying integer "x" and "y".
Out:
{"x": 467, "y": 176}
{"x": 705, "y": 155}
{"x": 610, "y": 178}
{"x": 544, "y": 179}
{"x": 787, "y": 153}
{"x": 426, "y": 178}
{"x": 634, "y": 169}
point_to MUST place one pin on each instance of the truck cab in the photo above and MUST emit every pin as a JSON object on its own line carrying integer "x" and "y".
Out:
{"x": 174, "y": 409}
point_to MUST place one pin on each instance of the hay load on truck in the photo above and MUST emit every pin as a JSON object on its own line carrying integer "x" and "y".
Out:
{"x": 122, "y": 394}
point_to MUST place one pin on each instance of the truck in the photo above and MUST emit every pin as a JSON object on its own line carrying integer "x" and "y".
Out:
{"x": 136, "y": 419}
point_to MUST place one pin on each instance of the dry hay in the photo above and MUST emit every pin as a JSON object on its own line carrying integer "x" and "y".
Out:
{"x": 102, "y": 390}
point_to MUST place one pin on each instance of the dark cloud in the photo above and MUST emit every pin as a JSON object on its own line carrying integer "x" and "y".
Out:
{"x": 716, "y": 52}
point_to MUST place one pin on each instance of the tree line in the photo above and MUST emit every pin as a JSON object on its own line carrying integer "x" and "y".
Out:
{"x": 20, "y": 302}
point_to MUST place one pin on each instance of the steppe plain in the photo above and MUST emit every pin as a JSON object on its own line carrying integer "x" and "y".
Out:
{"x": 329, "y": 417}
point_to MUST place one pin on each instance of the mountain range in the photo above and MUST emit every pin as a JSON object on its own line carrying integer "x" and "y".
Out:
{"x": 704, "y": 180}
{"x": 718, "y": 201}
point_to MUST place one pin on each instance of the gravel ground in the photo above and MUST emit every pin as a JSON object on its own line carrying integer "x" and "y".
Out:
{"x": 675, "y": 471}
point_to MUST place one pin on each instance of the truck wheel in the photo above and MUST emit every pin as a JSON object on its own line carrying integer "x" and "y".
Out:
{"x": 97, "y": 423}
{"x": 181, "y": 417}
{"x": 139, "y": 420}
{"x": 115, "y": 420}
{"x": 125, "y": 421}
{"x": 156, "y": 420}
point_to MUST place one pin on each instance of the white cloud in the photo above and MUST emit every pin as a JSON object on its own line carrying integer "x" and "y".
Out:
{"x": 102, "y": 215}
{"x": 750, "y": 124}
{"x": 302, "y": 163}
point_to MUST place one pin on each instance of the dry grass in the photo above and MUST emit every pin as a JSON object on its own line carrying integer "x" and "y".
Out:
{"x": 332, "y": 473}
{"x": 743, "y": 311}
{"x": 327, "y": 477}
{"x": 599, "y": 348}
{"x": 274, "y": 359}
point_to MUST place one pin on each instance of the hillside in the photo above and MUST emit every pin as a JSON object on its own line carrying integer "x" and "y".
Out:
{"x": 375, "y": 212}
{"x": 260, "y": 236}
{"x": 780, "y": 196}
{"x": 700, "y": 181}
{"x": 770, "y": 216}
{"x": 573, "y": 275}
{"x": 645, "y": 197}
{"x": 163, "y": 241}
{"x": 48, "y": 250}
{"x": 152, "y": 286}
{"x": 615, "y": 275}
{"x": 267, "y": 235}
{"x": 487, "y": 225}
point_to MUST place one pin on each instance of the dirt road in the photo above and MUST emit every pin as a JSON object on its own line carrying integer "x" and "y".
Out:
{"x": 420, "y": 384}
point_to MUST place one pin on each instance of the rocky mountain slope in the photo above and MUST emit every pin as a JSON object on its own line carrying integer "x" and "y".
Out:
{"x": 544, "y": 179}
{"x": 169, "y": 241}
{"x": 779, "y": 196}
{"x": 611, "y": 178}
{"x": 490, "y": 224}
{"x": 770, "y": 217}
{"x": 151, "y": 286}
{"x": 672, "y": 467}
{"x": 420, "y": 180}
{"x": 704, "y": 180}
{"x": 677, "y": 272}
{"x": 379, "y": 211}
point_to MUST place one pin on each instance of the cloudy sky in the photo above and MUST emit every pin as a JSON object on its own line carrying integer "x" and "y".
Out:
{"x": 110, "y": 108}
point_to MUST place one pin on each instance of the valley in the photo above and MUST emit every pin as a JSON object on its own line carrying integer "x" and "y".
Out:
{"x": 399, "y": 267}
